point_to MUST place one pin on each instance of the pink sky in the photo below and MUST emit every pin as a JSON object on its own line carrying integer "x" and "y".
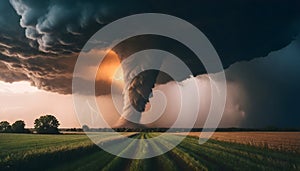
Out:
{"x": 21, "y": 101}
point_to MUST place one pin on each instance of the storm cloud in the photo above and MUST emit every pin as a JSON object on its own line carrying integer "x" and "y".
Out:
{"x": 51, "y": 32}
{"x": 40, "y": 42}
{"x": 271, "y": 85}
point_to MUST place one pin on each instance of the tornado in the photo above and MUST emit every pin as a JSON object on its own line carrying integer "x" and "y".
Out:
{"x": 139, "y": 80}
{"x": 136, "y": 94}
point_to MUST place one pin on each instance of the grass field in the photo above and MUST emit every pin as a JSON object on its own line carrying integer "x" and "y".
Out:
{"x": 77, "y": 152}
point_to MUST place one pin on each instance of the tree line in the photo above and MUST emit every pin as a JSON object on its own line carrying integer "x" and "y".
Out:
{"x": 47, "y": 124}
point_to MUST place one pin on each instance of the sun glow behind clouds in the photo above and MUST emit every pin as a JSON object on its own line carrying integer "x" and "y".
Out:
{"x": 109, "y": 67}
{"x": 17, "y": 87}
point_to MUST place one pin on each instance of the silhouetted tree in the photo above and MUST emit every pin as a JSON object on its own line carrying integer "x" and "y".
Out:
{"x": 18, "y": 127}
{"x": 46, "y": 125}
{"x": 5, "y": 126}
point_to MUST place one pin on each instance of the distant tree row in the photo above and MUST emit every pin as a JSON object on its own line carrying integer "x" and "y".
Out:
{"x": 47, "y": 124}
{"x": 17, "y": 127}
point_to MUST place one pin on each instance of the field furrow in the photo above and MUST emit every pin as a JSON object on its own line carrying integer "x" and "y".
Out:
{"x": 78, "y": 152}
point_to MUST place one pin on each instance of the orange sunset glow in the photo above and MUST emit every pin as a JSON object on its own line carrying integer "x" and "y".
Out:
{"x": 108, "y": 69}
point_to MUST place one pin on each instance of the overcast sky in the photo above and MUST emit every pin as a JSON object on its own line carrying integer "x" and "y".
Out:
{"x": 257, "y": 42}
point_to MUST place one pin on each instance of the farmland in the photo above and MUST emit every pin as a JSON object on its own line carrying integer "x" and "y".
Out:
{"x": 281, "y": 141}
{"x": 77, "y": 152}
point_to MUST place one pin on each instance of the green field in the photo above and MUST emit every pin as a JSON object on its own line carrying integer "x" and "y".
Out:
{"x": 77, "y": 152}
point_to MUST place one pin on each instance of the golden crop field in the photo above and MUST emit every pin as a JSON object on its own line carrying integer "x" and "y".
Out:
{"x": 283, "y": 141}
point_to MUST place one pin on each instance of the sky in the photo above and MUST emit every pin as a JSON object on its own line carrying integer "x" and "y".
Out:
{"x": 258, "y": 44}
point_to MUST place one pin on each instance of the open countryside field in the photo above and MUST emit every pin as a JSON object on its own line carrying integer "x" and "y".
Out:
{"x": 282, "y": 141}
{"x": 77, "y": 152}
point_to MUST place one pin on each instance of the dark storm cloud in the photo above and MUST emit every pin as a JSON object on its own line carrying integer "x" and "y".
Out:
{"x": 10, "y": 76}
{"x": 238, "y": 29}
{"x": 50, "y": 74}
{"x": 8, "y": 18}
{"x": 13, "y": 41}
{"x": 44, "y": 73}
{"x": 64, "y": 26}
{"x": 272, "y": 88}
{"x": 51, "y": 32}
